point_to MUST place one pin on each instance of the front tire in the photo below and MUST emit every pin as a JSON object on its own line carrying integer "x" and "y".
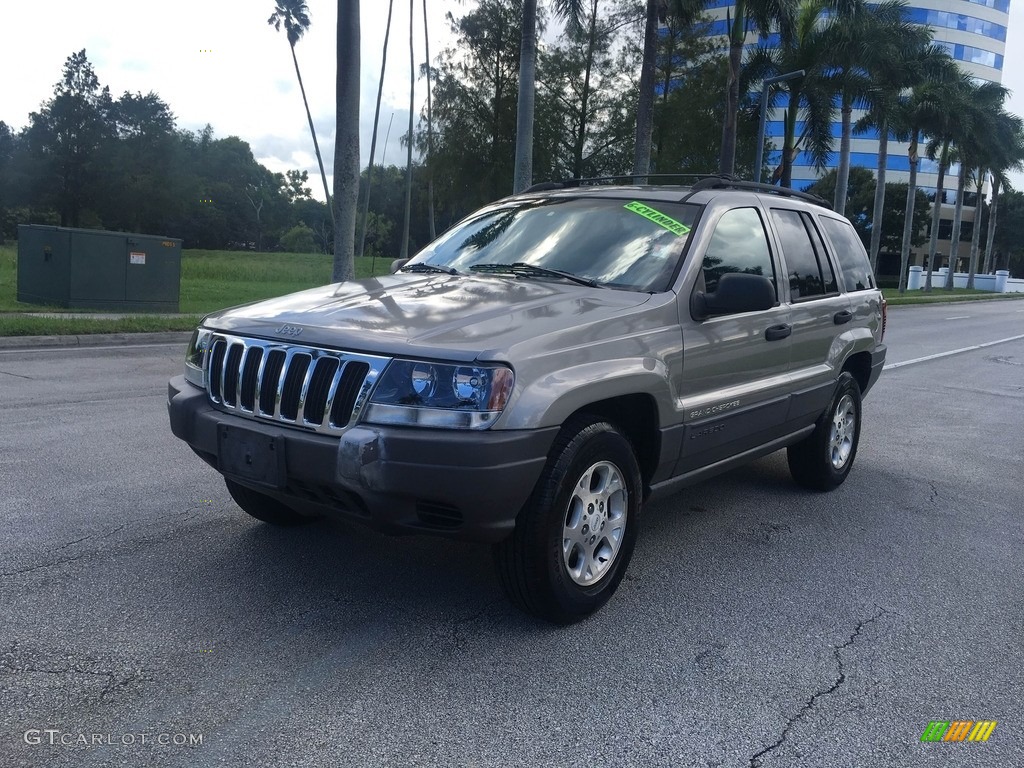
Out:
{"x": 574, "y": 537}
{"x": 823, "y": 459}
{"x": 263, "y": 507}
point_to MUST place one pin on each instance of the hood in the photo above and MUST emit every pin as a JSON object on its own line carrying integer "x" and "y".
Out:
{"x": 447, "y": 316}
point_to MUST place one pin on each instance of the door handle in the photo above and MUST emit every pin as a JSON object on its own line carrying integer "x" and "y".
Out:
{"x": 842, "y": 317}
{"x": 776, "y": 332}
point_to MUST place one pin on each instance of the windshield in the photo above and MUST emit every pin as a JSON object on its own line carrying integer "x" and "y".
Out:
{"x": 614, "y": 243}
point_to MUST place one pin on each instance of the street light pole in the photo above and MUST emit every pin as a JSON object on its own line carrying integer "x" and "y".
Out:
{"x": 759, "y": 152}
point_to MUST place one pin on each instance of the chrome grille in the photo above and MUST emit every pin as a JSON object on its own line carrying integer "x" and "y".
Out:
{"x": 319, "y": 389}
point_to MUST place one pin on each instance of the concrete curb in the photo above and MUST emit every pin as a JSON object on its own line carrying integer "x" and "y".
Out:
{"x": 93, "y": 340}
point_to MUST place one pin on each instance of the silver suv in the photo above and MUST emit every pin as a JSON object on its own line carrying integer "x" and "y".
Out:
{"x": 545, "y": 367}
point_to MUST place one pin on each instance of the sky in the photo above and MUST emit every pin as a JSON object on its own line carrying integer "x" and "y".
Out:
{"x": 219, "y": 62}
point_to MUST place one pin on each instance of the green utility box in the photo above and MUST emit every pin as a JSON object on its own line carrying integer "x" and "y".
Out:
{"x": 92, "y": 269}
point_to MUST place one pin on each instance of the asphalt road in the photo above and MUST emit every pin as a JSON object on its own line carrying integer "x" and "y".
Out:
{"x": 759, "y": 624}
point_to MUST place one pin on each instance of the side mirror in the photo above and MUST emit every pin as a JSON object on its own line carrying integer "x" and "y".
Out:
{"x": 737, "y": 292}
{"x": 397, "y": 264}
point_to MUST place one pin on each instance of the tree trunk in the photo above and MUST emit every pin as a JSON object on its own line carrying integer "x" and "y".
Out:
{"x": 312, "y": 131}
{"x": 527, "y": 92}
{"x": 877, "y": 214}
{"x": 645, "y": 102}
{"x": 430, "y": 130}
{"x": 843, "y": 171}
{"x": 979, "y": 206}
{"x": 404, "y": 253}
{"x": 990, "y": 236}
{"x": 958, "y": 214}
{"x": 933, "y": 241}
{"x": 346, "y": 141}
{"x": 789, "y": 139}
{"x": 737, "y": 34}
{"x": 581, "y": 135}
{"x": 908, "y": 222}
{"x": 373, "y": 135}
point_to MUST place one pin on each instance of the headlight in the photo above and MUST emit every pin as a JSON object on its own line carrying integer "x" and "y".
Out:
{"x": 425, "y": 394}
{"x": 195, "y": 356}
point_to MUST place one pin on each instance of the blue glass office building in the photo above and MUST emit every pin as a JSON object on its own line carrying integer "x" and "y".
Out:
{"x": 974, "y": 31}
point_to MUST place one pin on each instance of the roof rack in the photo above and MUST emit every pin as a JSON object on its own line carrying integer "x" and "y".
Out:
{"x": 727, "y": 182}
{"x": 545, "y": 186}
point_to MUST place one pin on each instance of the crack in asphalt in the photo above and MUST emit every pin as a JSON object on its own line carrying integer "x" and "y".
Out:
{"x": 935, "y": 493}
{"x": 90, "y": 536}
{"x": 16, "y": 375}
{"x": 755, "y": 760}
{"x": 189, "y": 514}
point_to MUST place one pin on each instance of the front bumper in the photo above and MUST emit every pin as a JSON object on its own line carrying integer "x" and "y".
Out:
{"x": 460, "y": 484}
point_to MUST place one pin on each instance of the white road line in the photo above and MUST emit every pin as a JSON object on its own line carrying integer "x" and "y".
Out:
{"x": 952, "y": 352}
{"x": 958, "y": 317}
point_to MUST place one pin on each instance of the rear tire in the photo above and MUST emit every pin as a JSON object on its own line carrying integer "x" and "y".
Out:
{"x": 574, "y": 537}
{"x": 263, "y": 507}
{"x": 823, "y": 459}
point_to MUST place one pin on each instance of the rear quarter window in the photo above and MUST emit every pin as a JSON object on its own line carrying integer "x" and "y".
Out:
{"x": 850, "y": 253}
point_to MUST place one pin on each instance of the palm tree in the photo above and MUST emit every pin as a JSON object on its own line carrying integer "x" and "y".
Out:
{"x": 941, "y": 128}
{"x": 914, "y": 110}
{"x": 687, "y": 12}
{"x": 373, "y": 135}
{"x": 293, "y": 15}
{"x": 809, "y": 96}
{"x": 572, "y": 10}
{"x": 346, "y": 141}
{"x": 859, "y": 35}
{"x": 892, "y": 77}
{"x": 972, "y": 131}
{"x": 1008, "y": 156}
{"x": 430, "y": 129}
{"x": 765, "y": 17}
{"x": 404, "y": 252}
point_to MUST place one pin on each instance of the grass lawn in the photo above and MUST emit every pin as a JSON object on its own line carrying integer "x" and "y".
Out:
{"x": 210, "y": 280}
{"x": 941, "y": 295}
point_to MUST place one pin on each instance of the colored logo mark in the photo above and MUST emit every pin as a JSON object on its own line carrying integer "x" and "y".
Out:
{"x": 958, "y": 730}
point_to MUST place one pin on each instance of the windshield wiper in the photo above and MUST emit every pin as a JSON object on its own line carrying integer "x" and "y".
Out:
{"x": 424, "y": 267}
{"x": 522, "y": 269}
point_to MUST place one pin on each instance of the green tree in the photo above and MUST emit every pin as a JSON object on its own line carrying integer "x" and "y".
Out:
{"x": 346, "y": 141}
{"x": 942, "y": 127}
{"x": 295, "y": 185}
{"x": 687, "y": 113}
{"x": 972, "y": 133}
{"x": 892, "y": 80}
{"x": 578, "y": 100}
{"x": 475, "y": 87}
{"x": 1007, "y": 155}
{"x": 64, "y": 137}
{"x": 1009, "y": 238}
{"x": 809, "y": 97}
{"x": 859, "y": 36}
{"x": 293, "y": 15}
{"x": 298, "y": 239}
{"x": 765, "y": 17}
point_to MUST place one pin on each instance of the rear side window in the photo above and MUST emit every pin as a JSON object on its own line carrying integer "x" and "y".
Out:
{"x": 809, "y": 272}
{"x": 739, "y": 244}
{"x": 853, "y": 259}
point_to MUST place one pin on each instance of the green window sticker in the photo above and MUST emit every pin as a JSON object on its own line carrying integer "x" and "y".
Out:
{"x": 659, "y": 218}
